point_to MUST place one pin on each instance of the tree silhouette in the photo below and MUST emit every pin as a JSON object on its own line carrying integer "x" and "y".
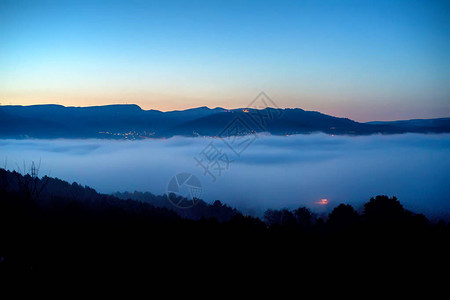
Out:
{"x": 384, "y": 210}
{"x": 343, "y": 216}
{"x": 279, "y": 218}
{"x": 304, "y": 217}
{"x": 272, "y": 217}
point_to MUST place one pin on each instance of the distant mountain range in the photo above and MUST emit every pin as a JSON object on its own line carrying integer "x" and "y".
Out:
{"x": 132, "y": 122}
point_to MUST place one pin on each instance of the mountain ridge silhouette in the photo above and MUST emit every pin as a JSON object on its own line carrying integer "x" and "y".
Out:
{"x": 131, "y": 121}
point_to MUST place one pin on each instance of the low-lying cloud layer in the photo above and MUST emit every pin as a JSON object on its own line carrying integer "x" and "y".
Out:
{"x": 273, "y": 172}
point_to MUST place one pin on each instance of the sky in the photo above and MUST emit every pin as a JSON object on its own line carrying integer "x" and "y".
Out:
{"x": 366, "y": 60}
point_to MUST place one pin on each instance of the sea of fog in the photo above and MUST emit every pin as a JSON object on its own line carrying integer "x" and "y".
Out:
{"x": 269, "y": 172}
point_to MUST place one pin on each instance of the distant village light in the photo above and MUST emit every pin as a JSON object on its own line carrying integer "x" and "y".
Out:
{"x": 323, "y": 201}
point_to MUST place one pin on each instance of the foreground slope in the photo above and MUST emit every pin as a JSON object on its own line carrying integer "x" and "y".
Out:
{"x": 51, "y": 225}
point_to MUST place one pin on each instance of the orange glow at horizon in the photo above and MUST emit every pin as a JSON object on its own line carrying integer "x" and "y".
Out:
{"x": 323, "y": 201}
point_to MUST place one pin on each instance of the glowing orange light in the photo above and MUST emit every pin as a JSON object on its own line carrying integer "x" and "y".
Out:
{"x": 323, "y": 202}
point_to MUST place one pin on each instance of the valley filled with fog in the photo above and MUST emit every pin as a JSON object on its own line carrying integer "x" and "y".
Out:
{"x": 270, "y": 172}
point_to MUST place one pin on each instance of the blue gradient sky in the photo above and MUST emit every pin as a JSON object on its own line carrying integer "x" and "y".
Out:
{"x": 367, "y": 60}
